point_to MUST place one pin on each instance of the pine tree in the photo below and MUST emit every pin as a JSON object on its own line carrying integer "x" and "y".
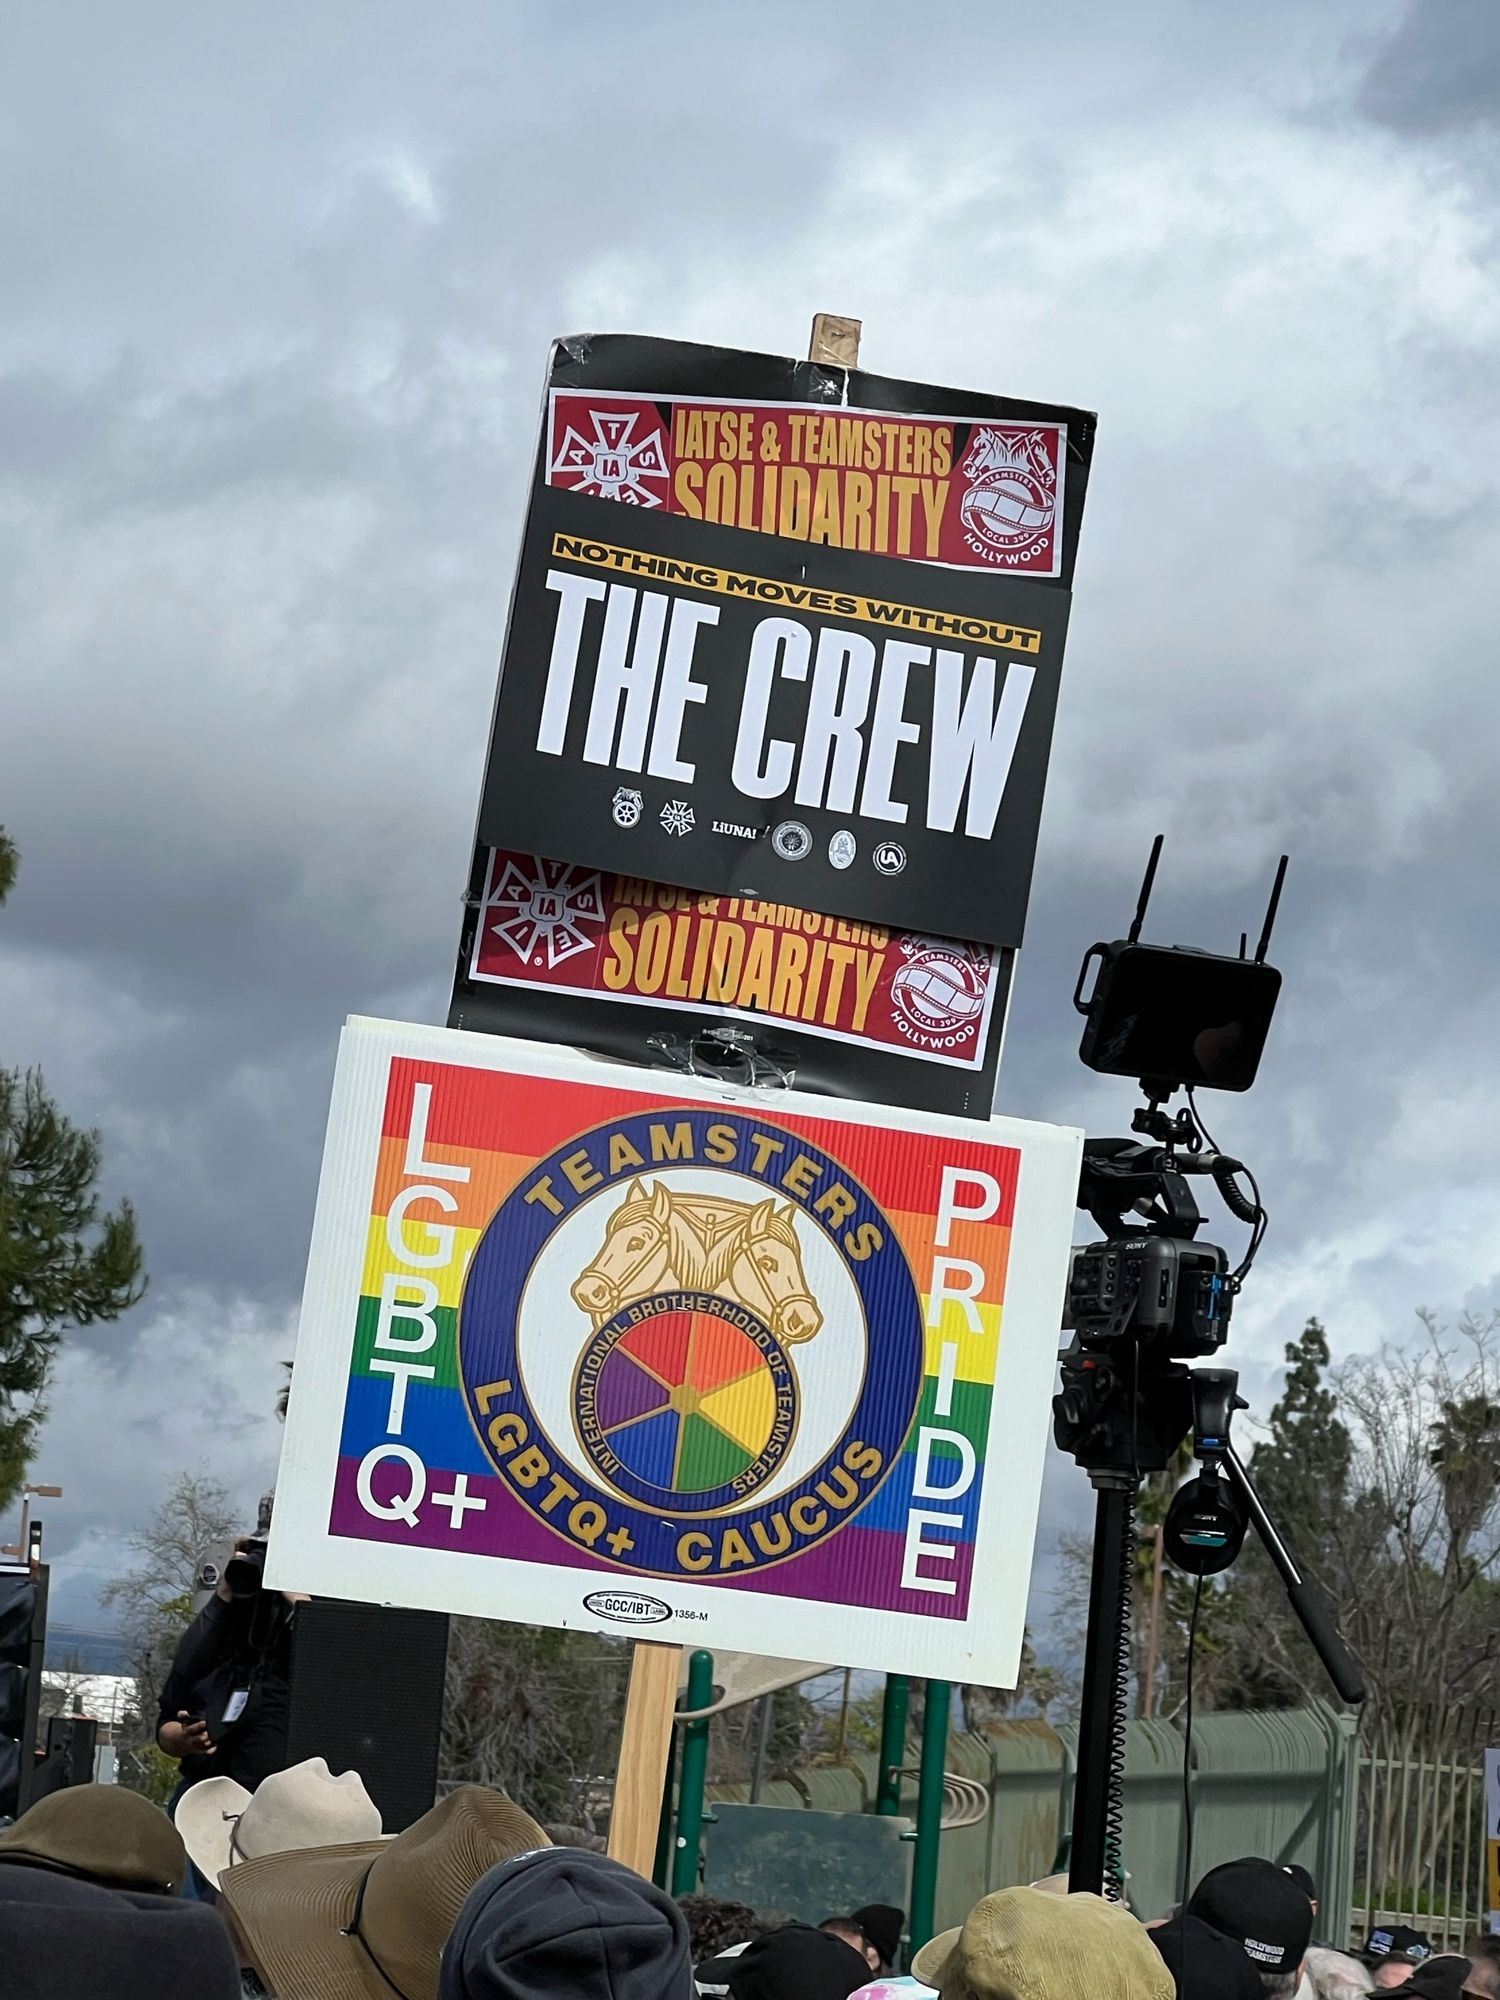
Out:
{"x": 63, "y": 1262}
{"x": 1304, "y": 1472}
{"x": 1303, "y": 1468}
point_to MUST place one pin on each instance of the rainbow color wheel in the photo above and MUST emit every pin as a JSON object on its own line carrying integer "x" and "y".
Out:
{"x": 686, "y": 1401}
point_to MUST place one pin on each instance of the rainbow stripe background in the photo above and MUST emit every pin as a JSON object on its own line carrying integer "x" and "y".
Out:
{"x": 499, "y": 1125}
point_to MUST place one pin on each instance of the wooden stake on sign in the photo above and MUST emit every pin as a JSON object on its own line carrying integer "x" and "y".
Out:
{"x": 834, "y": 341}
{"x": 644, "y": 1746}
{"x": 651, "y": 1703}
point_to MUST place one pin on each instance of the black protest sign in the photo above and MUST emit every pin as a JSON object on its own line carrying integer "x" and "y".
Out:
{"x": 779, "y": 685}
{"x": 679, "y": 701}
{"x": 787, "y": 633}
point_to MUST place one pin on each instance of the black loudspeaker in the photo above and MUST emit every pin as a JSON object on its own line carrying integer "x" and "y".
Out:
{"x": 367, "y": 1695}
{"x": 23, "y": 1641}
{"x": 68, "y": 1759}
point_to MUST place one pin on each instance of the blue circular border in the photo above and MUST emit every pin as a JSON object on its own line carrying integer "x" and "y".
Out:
{"x": 514, "y": 1238}
{"x": 631, "y": 1485}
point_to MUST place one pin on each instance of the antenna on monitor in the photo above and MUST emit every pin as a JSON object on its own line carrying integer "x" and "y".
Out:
{"x": 1145, "y": 895}
{"x": 1271, "y": 909}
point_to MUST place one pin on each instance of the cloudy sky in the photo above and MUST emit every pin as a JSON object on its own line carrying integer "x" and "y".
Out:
{"x": 278, "y": 287}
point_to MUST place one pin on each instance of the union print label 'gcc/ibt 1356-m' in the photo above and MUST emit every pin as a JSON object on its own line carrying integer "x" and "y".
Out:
{"x": 804, "y": 651}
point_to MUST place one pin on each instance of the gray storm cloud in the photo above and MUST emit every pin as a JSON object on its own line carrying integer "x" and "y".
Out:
{"x": 278, "y": 295}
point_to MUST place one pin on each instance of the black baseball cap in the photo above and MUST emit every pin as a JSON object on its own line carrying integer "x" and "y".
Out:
{"x": 1396, "y": 1944}
{"x": 797, "y": 1960}
{"x": 1302, "y": 1878}
{"x": 1440, "y": 1978}
{"x": 1261, "y": 1907}
{"x": 882, "y": 1924}
{"x": 1204, "y": 1964}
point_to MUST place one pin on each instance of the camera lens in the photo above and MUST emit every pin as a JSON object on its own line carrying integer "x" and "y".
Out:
{"x": 243, "y": 1570}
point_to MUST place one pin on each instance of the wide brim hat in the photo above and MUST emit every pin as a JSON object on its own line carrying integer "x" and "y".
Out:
{"x": 931, "y": 1961}
{"x": 224, "y": 1826}
{"x": 206, "y": 1816}
{"x": 358, "y": 1921}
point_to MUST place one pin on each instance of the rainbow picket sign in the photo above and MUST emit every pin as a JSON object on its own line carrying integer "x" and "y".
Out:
{"x": 589, "y": 1346}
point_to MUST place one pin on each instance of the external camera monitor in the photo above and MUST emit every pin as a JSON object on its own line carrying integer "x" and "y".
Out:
{"x": 1181, "y": 1016}
{"x": 1170, "y": 1014}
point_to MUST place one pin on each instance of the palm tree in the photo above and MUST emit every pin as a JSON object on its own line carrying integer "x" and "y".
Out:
{"x": 284, "y": 1392}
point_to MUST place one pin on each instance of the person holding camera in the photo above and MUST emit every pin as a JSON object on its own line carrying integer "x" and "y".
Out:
{"x": 224, "y": 1706}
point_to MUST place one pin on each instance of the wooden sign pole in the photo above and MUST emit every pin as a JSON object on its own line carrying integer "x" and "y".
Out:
{"x": 650, "y": 1704}
{"x": 645, "y": 1745}
{"x": 834, "y": 341}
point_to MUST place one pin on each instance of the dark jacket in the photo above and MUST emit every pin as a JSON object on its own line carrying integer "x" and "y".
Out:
{"x": 69, "y": 1940}
{"x": 243, "y": 1647}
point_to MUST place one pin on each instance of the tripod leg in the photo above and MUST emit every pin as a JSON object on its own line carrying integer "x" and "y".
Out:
{"x": 1095, "y": 1860}
{"x": 1302, "y": 1593}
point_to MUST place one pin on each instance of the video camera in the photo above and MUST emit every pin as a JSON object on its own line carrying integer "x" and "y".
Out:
{"x": 1148, "y": 1299}
{"x": 245, "y": 1569}
{"x": 242, "y": 1569}
{"x": 1175, "y": 1018}
{"x": 1149, "y": 1296}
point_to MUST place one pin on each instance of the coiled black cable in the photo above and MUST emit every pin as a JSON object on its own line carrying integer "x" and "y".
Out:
{"x": 1114, "y": 1804}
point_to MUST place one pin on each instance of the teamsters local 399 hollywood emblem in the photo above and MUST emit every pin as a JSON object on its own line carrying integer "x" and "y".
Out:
{"x": 664, "y": 1343}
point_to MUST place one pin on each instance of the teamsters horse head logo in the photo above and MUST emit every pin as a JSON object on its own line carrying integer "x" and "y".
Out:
{"x": 741, "y": 1250}
{"x": 627, "y": 1332}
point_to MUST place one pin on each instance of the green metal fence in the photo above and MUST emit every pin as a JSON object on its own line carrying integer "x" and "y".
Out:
{"x": 1419, "y": 1825}
{"x": 1280, "y": 1783}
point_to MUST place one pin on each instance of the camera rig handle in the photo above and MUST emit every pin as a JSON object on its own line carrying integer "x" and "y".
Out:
{"x": 1131, "y": 1189}
{"x": 1134, "y": 1189}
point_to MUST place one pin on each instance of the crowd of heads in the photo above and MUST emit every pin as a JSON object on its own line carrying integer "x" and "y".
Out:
{"x": 296, "y": 1891}
{"x": 1247, "y": 1932}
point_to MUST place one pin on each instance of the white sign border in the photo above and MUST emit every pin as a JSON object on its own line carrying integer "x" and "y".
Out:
{"x": 984, "y": 1647}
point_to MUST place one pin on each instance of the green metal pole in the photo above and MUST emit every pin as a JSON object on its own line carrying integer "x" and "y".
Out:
{"x": 661, "y": 1873}
{"x": 700, "y": 1692}
{"x": 924, "y": 1865}
{"x": 892, "y": 1743}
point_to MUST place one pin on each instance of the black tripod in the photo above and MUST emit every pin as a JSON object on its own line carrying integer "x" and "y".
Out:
{"x": 1124, "y": 1408}
{"x": 1121, "y": 1431}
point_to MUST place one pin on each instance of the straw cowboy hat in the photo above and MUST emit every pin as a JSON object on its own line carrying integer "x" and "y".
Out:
{"x": 369, "y": 1921}
{"x": 222, "y": 1825}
